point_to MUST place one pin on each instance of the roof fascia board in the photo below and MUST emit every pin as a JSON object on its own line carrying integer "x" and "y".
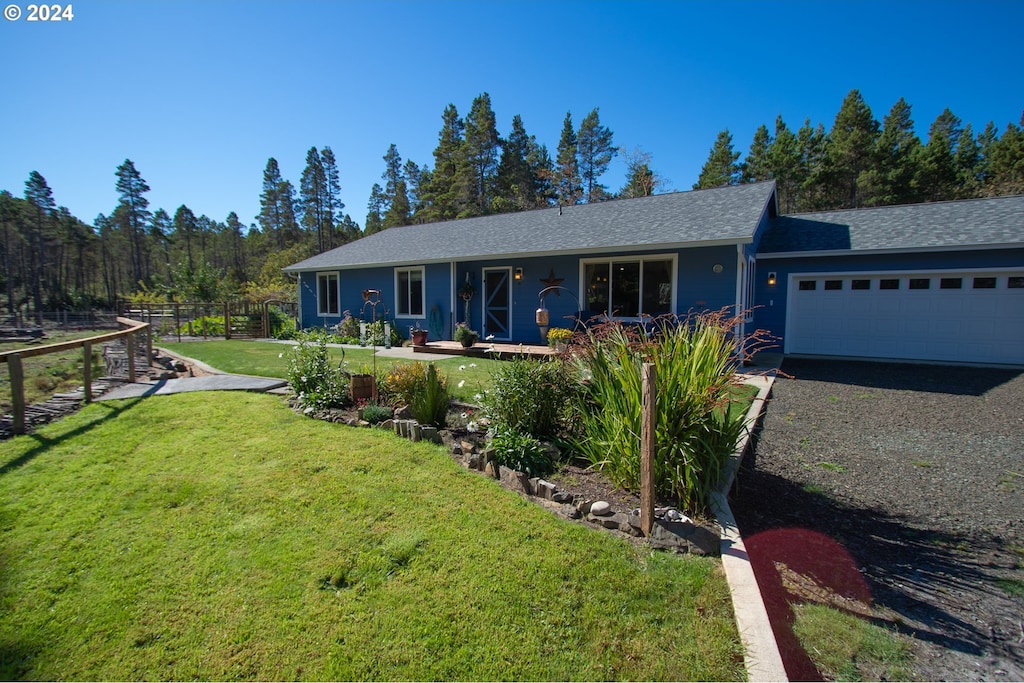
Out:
{"x": 877, "y": 252}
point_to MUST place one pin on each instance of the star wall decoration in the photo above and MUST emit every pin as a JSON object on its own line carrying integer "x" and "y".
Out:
{"x": 552, "y": 281}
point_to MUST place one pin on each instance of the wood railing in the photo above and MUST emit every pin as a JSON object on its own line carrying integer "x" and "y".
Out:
{"x": 17, "y": 376}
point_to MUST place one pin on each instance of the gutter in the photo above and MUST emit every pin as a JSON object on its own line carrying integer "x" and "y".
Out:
{"x": 761, "y": 654}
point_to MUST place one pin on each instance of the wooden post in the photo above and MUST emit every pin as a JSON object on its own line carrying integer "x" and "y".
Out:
{"x": 87, "y": 371}
{"x": 227, "y": 320}
{"x": 177, "y": 320}
{"x": 129, "y": 342}
{"x": 17, "y": 377}
{"x": 648, "y": 446}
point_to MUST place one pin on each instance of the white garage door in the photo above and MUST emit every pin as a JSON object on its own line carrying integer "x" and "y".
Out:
{"x": 943, "y": 315}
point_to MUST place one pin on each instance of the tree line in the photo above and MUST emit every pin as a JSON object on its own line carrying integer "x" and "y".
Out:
{"x": 860, "y": 163}
{"x": 52, "y": 260}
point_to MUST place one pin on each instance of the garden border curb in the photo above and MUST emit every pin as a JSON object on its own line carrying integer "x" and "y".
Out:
{"x": 761, "y": 655}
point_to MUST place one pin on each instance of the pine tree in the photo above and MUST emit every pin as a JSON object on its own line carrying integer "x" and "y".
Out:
{"x": 441, "y": 194}
{"x": 595, "y": 151}
{"x": 132, "y": 188}
{"x": 893, "y": 180}
{"x": 160, "y": 234}
{"x": 757, "y": 166}
{"x": 968, "y": 155}
{"x": 415, "y": 180}
{"x": 1006, "y": 163}
{"x": 375, "y": 208}
{"x": 721, "y": 168}
{"x": 849, "y": 151}
{"x": 938, "y": 162}
{"x": 568, "y": 184}
{"x": 272, "y": 210}
{"x": 784, "y": 162}
{"x": 395, "y": 204}
{"x": 986, "y": 139}
{"x": 811, "y": 142}
{"x": 186, "y": 228}
{"x": 641, "y": 181}
{"x": 481, "y": 147}
{"x": 516, "y": 184}
{"x": 40, "y": 214}
{"x": 334, "y": 205}
{"x": 313, "y": 198}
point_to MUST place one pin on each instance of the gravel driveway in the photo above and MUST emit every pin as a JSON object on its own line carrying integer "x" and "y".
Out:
{"x": 900, "y": 487}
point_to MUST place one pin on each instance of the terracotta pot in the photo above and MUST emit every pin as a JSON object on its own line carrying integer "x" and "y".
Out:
{"x": 419, "y": 337}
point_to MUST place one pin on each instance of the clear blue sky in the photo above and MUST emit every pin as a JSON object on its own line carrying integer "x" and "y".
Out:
{"x": 200, "y": 94}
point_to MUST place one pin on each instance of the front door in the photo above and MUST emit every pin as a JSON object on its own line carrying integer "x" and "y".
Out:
{"x": 497, "y": 303}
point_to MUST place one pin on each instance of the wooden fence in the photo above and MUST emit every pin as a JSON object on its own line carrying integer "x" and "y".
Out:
{"x": 241, "y": 319}
{"x": 17, "y": 377}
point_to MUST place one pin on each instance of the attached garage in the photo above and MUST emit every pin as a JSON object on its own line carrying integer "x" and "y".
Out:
{"x": 952, "y": 315}
{"x": 929, "y": 282}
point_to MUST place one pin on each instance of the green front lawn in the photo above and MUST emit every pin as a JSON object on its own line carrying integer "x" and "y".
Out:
{"x": 268, "y": 359}
{"x": 221, "y": 536}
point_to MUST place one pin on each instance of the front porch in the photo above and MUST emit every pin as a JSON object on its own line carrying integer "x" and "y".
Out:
{"x": 497, "y": 350}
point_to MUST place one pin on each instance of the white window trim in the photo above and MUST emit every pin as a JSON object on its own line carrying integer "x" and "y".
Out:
{"x": 423, "y": 292}
{"x": 320, "y": 305}
{"x": 673, "y": 258}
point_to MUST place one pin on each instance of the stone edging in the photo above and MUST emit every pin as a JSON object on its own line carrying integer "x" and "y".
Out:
{"x": 761, "y": 654}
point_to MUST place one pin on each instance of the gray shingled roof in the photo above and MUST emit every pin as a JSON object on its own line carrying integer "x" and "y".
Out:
{"x": 965, "y": 223}
{"x": 728, "y": 214}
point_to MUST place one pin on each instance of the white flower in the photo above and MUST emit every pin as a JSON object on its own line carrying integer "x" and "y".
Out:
{"x": 472, "y": 427}
{"x": 462, "y": 384}
{"x": 281, "y": 355}
{"x": 477, "y": 396}
{"x": 464, "y": 415}
{"x": 472, "y": 365}
{"x": 462, "y": 367}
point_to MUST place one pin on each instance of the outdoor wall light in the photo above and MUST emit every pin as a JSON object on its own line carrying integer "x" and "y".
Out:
{"x": 519, "y": 274}
{"x": 717, "y": 268}
{"x": 771, "y": 279}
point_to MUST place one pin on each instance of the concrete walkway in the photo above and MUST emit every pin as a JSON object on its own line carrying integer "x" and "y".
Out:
{"x": 218, "y": 382}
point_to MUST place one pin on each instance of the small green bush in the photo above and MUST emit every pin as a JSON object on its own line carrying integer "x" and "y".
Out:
{"x": 375, "y": 414}
{"x": 521, "y": 452}
{"x": 531, "y": 396}
{"x": 315, "y": 382}
{"x": 404, "y": 381}
{"x": 430, "y": 406}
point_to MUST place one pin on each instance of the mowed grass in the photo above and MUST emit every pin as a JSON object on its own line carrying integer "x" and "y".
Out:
{"x": 221, "y": 536}
{"x": 269, "y": 359}
{"x": 51, "y": 373}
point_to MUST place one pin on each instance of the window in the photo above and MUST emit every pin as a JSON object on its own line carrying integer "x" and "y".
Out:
{"x": 629, "y": 288}
{"x": 951, "y": 283}
{"x": 409, "y": 300}
{"x": 920, "y": 283}
{"x": 833, "y": 284}
{"x": 808, "y": 285}
{"x": 327, "y": 294}
{"x": 860, "y": 284}
{"x": 890, "y": 283}
{"x": 1015, "y": 282}
{"x": 984, "y": 283}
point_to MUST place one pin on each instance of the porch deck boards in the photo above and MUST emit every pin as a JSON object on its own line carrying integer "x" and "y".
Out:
{"x": 487, "y": 350}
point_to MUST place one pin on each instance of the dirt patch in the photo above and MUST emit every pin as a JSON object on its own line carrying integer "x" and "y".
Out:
{"x": 900, "y": 487}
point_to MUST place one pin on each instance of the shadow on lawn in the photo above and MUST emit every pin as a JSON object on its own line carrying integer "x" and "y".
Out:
{"x": 105, "y": 411}
{"x": 856, "y": 557}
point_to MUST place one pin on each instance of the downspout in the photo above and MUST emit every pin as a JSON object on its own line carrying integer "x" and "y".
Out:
{"x": 741, "y": 287}
{"x": 451, "y": 303}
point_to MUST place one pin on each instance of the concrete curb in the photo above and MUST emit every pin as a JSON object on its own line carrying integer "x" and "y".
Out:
{"x": 762, "y": 657}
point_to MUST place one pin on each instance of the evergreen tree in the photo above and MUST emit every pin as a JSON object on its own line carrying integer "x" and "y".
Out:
{"x": 277, "y": 207}
{"x": 1006, "y": 162}
{"x": 641, "y": 181}
{"x": 595, "y": 151}
{"x": 968, "y": 156}
{"x": 395, "y": 197}
{"x": 313, "y": 198}
{"x": 441, "y": 194}
{"x": 132, "y": 188}
{"x": 849, "y": 151}
{"x": 568, "y": 183}
{"x": 543, "y": 171}
{"x": 40, "y": 214}
{"x": 375, "y": 208}
{"x": 785, "y": 165}
{"x": 235, "y": 233}
{"x": 811, "y": 142}
{"x": 334, "y": 205}
{"x": 186, "y": 228}
{"x": 757, "y": 166}
{"x": 515, "y": 178}
{"x": 160, "y": 234}
{"x": 415, "y": 180}
{"x": 721, "y": 168}
{"x": 938, "y": 162}
{"x": 482, "y": 145}
{"x": 893, "y": 180}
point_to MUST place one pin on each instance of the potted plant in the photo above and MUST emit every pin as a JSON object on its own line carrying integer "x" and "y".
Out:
{"x": 466, "y": 291}
{"x": 465, "y": 336}
{"x": 558, "y": 338}
{"x": 418, "y": 336}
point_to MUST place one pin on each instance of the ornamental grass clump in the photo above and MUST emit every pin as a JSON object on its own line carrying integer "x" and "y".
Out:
{"x": 317, "y": 384}
{"x": 696, "y": 431}
{"x": 430, "y": 406}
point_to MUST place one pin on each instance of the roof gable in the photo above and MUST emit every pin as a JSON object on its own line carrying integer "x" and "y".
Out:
{"x": 728, "y": 214}
{"x": 938, "y": 225}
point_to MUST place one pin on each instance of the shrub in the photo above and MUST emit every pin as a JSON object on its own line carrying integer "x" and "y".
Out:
{"x": 531, "y": 396}
{"x": 316, "y": 384}
{"x": 349, "y": 326}
{"x": 282, "y": 325}
{"x": 430, "y": 406}
{"x": 375, "y": 414}
{"x": 696, "y": 431}
{"x": 405, "y": 380}
{"x": 521, "y": 452}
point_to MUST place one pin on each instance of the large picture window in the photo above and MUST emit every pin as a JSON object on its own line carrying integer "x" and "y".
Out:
{"x": 327, "y": 294}
{"x": 629, "y": 287}
{"x": 409, "y": 291}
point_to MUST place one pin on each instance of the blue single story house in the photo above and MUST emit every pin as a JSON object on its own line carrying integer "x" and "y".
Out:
{"x": 941, "y": 281}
